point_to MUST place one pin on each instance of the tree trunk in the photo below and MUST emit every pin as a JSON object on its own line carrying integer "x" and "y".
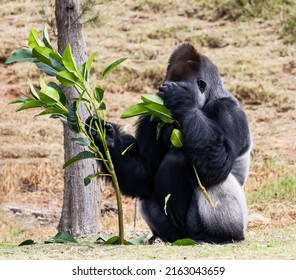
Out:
{"x": 80, "y": 215}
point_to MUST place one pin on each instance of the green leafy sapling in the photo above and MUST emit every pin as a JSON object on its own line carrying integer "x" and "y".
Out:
{"x": 50, "y": 98}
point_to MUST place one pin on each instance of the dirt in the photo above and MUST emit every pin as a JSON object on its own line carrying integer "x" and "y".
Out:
{"x": 254, "y": 63}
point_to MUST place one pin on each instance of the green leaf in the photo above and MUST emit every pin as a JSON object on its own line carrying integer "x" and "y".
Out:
{"x": 33, "y": 91}
{"x": 22, "y": 55}
{"x": 81, "y": 141}
{"x": 86, "y": 66}
{"x": 176, "y": 138}
{"x": 166, "y": 202}
{"x": 62, "y": 119}
{"x": 34, "y": 40}
{"x": 102, "y": 106}
{"x": 80, "y": 156}
{"x": 63, "y": 98}
{"x": 20, "y": 100}
{"x": 112, "y": 66}
{"x": 90, "y": 61}
{"x": 68, "y": 59}
{"x": 99, "y": 94}
{"x": 127, "y": 149}
{"x": 114, "y": 240}
{"x": 43, "y": 53}
{"x": 87, "y": 180}
{"x": 67, "y": 78}
{"x": 142, "y": 240}
{"x": 135, "y": 110}
{"x": 72, "y": 118}
{"x": 42, "y": 83}
{"x": 100, "y": 238}
{"x": 83, "y": 71}
{"x": 27, "y": 242}
{"x": 160, "y": 111}
{"x": 48, "y": 70}
{"x": 184, "y": 242}
{"x": 30, "y": 104}
{"x": 46, "y": 39}
{"x": 152, "y": 98}
{"x": 49, "y": 95}
{"x": 56, "y": 62}
{"x": 62, "y": 237}
{"x": 55, "y": 111}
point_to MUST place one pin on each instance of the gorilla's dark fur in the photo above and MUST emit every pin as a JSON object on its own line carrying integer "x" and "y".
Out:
{"x": 216, "y": 140}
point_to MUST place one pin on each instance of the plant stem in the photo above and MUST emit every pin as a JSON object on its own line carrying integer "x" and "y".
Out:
{"x": 203, "y": 189}
{"x": 118, "y": 197}
{"x": 109, "y": 165}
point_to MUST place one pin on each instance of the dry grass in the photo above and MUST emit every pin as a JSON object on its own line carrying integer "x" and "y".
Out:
{"x": 255, "y": 62}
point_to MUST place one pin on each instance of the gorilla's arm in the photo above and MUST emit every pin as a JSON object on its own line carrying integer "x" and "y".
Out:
{"x": 213, "y": 136}
{"x": 135, "y": 159}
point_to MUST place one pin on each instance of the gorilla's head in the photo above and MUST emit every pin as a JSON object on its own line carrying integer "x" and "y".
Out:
{"x": 196, "y": 71}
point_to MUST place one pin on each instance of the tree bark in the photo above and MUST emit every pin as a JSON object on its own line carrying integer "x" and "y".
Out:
{"x": 80, "y": 215}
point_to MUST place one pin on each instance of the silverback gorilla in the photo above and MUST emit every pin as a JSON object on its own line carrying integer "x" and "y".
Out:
{"x": 216, "y": 140}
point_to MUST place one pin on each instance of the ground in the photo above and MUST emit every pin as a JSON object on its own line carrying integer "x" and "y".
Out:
{"x": 255, "y": 63}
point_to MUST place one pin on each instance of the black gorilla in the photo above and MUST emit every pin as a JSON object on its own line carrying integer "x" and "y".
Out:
{"x": 216, "y": 140}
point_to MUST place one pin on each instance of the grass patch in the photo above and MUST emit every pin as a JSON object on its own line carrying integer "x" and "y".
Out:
{"x": 289, "y": 29}
{"x": 9, "y": 231}
{"x": 153, "y": 6}
{"x": 246, "y": 9}
{"x": 275, "y": 190}
{"x": 253, "y": 92}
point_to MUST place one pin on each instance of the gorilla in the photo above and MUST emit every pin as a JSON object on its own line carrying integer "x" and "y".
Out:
{"x": 216, "y": 140}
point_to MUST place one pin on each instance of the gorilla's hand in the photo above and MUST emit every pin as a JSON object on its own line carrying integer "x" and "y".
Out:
{"x": 178, "y": 97}
{"x": 110, "y": 129}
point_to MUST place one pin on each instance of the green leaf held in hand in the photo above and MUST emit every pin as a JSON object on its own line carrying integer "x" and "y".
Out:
{"x": 135, "y": 110}
{"x": 176, "y": 138}
{"x": 152, "y": 98}
{"x": 160, "y": 111}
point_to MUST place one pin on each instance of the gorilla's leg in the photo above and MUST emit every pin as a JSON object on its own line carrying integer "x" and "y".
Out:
{"x": 158, "y": 222}
{"x": 225, "y": 223}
